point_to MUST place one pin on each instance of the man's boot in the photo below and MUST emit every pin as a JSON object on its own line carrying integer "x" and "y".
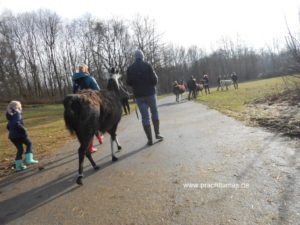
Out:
{"x": 147, "y": 129}
{"x": 156, "y": 130}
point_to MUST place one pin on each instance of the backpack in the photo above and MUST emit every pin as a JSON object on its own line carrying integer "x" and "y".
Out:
{"x": 81, "y": 84}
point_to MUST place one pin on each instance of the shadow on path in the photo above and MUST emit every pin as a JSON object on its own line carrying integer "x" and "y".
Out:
{"x": 34, "y": 170}
{"x": 26, "y": 202}
{"x": 172, "y": 103}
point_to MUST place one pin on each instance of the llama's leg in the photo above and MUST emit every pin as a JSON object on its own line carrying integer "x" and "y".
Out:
{"x": 113, "y": 157}
{"x": 81, "y": 151}
{"x": 89, "y": 156}
{"x": 84, "y": 140}
{"x": 127, "y": 105}
{"x": 124, "y": 106}
{"x": 118, "y": 144}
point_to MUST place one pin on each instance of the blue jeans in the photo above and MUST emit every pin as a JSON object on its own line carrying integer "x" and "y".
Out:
{"x": 18, "y": 142}
{"x": 144, "y": 103}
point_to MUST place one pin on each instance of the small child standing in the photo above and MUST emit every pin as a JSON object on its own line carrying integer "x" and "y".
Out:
{"x": 18, "y": 135}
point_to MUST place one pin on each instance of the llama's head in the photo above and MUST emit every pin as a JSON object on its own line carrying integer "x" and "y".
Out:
{"x": 116, "y": 78}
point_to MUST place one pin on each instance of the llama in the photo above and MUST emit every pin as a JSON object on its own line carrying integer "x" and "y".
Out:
{"x": 199, "y": 88}
{"x": 225, "y": 83}
{"x": 178, "y": 90}
{"x": 87, "y": 112}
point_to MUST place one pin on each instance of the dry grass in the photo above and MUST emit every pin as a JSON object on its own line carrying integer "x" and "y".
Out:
{"x": 236, "y": 101}
{"x": 46, "y": 130}
{"x": 271, "y": 103}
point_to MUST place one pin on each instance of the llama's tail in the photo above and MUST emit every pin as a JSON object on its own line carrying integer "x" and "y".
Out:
{"x": 69, "y": 113}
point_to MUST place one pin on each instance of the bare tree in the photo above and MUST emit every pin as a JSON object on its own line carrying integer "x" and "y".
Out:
{"x": 146, "y": 37}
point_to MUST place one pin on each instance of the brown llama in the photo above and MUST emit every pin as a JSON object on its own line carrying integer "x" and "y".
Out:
{"x": 87, "y": 112}
{"x": 178, "y": 90}
{"x": 199, "y": 88}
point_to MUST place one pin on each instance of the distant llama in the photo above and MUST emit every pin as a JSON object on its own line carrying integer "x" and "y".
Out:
{"x": 178, "y": 90}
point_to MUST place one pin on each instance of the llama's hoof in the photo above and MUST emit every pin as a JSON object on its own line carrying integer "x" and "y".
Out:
{"x": 119, "y": 147}
{"x": 96, "y": 167}
{"x": 79, "y": 181}
{"x": 114, "y": 159}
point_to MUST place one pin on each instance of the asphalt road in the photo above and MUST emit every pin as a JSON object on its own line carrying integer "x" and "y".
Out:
{"x": 210, "y": 169}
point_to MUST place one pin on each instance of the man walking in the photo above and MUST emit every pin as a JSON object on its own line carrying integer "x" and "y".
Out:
{"x": 142, "y": 79}
{"x": 192, "y": 87}
{"x": 234, "y": 79}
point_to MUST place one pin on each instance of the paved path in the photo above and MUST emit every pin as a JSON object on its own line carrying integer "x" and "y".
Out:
{"x": 210, "y": 169}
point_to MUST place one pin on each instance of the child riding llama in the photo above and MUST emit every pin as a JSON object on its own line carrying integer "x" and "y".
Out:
{"x": 86, "y": 113}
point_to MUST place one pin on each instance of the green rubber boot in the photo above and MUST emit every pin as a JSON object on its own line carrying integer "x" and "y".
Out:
{"x": 19, "y": 165}
{"x": 29, "y": 159}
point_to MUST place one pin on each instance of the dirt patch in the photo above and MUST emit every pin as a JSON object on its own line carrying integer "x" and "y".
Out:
{"x": 6, "y": 169}
{"x": 279, "y": 113}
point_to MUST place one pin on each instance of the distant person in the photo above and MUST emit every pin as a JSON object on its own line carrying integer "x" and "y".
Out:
{"x": 176, "y": 90}
{"x": 219, "y": 82}
{"x": 191, "y": 84}
{"x": 206, "y": 84}
{"x": 234, "y": 79}
{"x": 83, "y": 80}
{"x": 142, "y": 79}
{"x": 18, "y": 135}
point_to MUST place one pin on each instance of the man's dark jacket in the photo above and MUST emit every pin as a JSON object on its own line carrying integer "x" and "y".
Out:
{"x": 142, "y": 78}
{"x": 191, "y": 84}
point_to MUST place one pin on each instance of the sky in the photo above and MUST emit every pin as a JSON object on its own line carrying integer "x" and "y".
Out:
{"x": 258, "y": 23}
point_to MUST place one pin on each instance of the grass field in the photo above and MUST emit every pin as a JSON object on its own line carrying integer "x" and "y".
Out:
{"x": 233, "y": 102}
{"x": 47, "y": 131}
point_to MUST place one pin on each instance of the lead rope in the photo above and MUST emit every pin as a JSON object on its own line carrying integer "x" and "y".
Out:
{"x": 136, "y": 112}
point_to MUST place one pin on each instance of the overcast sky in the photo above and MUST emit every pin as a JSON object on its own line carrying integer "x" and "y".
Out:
{"x": 187, "y": 22}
